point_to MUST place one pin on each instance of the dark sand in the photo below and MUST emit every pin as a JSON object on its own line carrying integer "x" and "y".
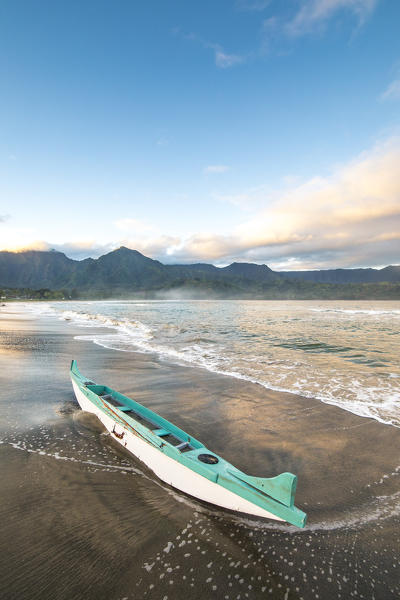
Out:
{"x": 81, "y": 519}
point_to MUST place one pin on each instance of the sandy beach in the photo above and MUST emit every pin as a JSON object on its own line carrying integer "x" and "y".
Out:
{"x": 82, "y": 519}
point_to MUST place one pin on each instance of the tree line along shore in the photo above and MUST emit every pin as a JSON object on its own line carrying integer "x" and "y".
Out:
{"x": 197, "y": 289}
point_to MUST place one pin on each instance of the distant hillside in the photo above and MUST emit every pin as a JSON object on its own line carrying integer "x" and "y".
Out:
{"x": 35, "y": 269}
{"x": 126, "y": 272}
{"x": 388, "y": 274}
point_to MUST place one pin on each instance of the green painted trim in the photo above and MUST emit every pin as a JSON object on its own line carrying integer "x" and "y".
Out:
{"x": 282, "y": 487}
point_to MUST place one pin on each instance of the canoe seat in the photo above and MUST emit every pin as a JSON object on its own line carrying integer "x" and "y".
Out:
{"x": 161, "y": 432}
{"x": 124, "y": 408}
{"x": 174, "y": 441}
{"x": 182, "y": 446}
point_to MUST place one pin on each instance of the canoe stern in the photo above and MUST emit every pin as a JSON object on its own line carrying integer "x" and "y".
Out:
{"x": 275, "y": 494}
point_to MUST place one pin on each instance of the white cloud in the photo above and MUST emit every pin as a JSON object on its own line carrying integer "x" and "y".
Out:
{"x": 392, "y": 92}
{"x": 315, "y": 13}
{"x": 18, "y": 240}
{"x": 350, "y": 218}
{"x": 158, "y": 246}
{"x": 311, "y": 17}
{"x": 216, "y": 169}
{"x": 224, "y": 60}
{"x": 82, "y": 249}
{"x": 15, "y": 238}
{"x": 357, "y": 207}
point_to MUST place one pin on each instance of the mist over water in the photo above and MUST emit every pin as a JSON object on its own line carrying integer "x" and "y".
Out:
{"x": 343, "y": 353}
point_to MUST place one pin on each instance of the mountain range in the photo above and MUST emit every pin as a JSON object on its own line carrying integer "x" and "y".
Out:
{"x": 124, "y": 271}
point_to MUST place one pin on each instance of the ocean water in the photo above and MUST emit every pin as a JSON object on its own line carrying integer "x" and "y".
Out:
{"x": 84, "y": 519}
{"x": 342, "y": 353}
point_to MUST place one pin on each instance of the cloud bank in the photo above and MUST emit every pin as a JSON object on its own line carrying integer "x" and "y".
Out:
{"x": 350, "y": 218}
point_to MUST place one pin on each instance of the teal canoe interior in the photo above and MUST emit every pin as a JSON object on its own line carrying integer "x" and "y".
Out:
{"x": 124, "y": 404}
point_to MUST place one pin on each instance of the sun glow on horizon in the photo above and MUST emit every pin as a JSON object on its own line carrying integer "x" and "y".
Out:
{"x": 262, "y": 134}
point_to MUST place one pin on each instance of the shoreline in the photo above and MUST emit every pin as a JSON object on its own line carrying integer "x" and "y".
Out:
{"x": 62, "y": 472}
{"x": 103, "y": 324}
{"x": 159, "y": 379}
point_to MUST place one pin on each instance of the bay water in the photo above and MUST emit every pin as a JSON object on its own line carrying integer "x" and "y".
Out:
{"x": 342, "y": 353}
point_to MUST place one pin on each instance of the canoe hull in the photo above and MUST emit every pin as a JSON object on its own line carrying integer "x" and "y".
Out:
{"x": 169, "y": 470}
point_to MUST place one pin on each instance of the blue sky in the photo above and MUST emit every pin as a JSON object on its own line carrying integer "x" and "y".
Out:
{"x": 250, "y": 130}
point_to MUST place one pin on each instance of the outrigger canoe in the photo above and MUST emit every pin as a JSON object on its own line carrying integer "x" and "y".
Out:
{"x": 182, "y": 461}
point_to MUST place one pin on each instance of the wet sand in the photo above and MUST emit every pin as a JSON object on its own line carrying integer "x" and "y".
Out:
{"x": 82, "y": 519}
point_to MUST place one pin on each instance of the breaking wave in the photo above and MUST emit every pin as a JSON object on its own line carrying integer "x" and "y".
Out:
{"x": 287, "y": 352}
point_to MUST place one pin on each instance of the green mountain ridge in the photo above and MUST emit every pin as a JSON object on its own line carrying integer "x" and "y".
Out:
{"x": 125, "y": 272}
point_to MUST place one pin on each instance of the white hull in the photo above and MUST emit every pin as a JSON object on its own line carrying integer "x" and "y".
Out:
{"x": 171, "y": 471}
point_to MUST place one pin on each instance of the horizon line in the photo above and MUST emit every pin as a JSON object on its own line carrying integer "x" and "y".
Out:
{"x": 200, "y": 262}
